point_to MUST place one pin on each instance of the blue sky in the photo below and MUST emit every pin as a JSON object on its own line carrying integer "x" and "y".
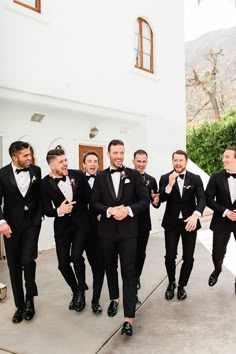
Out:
{"x": 209, "y": 16}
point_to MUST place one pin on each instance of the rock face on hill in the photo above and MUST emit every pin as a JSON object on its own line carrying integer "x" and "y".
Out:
{"x": 195, "y": 57}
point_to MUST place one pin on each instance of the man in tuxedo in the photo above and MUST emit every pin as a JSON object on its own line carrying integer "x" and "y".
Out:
{"x": 65, "y": 196}
{"x": 119, "y": 195}
{"x": 185, "y": 201}
{"x": 221, "y": 198}
{"x": 140, "y": 162}
{"x": 92, "y": 244}
{"x": 20, "y": 219}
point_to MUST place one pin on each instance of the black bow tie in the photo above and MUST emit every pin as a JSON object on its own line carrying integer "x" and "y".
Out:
{"x": 18, "y": 170}
{"x": 228, "y": 174}
{"x": 91, "y": 176}
{"x": 58, "y": 179}
{"x": 181, "y": 176}
{"x": 119, "y": 169}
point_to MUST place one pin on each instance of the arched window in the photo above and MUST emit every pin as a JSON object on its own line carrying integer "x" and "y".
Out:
{"x": 143, "y": 45}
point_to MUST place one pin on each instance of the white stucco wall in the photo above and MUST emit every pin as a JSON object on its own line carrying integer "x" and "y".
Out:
{"x": 74, "y": 63}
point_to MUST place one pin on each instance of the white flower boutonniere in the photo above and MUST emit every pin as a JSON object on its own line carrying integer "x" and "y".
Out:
{"x": 147, "y": 182}
{"x": 34, "y": 179}
{"x": 72, "y": 181}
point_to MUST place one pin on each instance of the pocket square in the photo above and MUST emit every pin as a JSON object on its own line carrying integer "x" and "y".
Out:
{"x": 127, "y": 180}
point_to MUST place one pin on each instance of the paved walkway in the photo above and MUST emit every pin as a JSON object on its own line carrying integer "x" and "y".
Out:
{"x": 204, "y": 323}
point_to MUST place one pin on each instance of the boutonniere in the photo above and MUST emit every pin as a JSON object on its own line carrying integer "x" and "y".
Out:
{"x": 34, "y": 179}
{"x": 72, "y": 181}
{"x": 147, "y": 182}
{"x": 124, "y": 173}
{"x": 188, "y": 187}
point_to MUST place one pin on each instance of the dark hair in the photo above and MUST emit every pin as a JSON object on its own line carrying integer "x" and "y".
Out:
{"x": 180, "y": 152}
{"x": 52, "y": 154}
{"x": 232, "y": 148}
{"x": 140, "y": 152}
{"x": 90, "y": 153}
{"x": 114, "y": 142}
{"x": 17, "y": 146}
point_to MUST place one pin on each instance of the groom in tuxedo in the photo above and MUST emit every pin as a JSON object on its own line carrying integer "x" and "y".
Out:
{"x": 65, "y": 196}
{"x": 20, "y": 220}
{"x": 185, "y": 201}
{"x": 119, "y": 195}
{"x": 221, "y": 198}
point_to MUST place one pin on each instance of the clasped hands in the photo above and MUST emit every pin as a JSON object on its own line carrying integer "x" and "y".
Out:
{"x": 119, "y": 212}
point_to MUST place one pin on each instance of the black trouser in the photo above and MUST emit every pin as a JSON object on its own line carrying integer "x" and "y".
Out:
{"x": 125, "y": 248}
{"x": 95, "y": 258}
{"x": 220, "y": 242}
{"x": 188, "y": 245}
{"x": 69, "y": 248}
{"x": 142, "y": 241}
{"x": 21, "y": 251}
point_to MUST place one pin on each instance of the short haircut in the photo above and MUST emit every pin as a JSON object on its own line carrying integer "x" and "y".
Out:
{"x": 140, "y": 152}
{"x": 17, "y": 146}
{"x": 232, "y": 148}
{"x": 90, "y": 153}
{"x": 52, "y": 154}
{"x": 180, "y": 152}
{"x": 114, "y": 142}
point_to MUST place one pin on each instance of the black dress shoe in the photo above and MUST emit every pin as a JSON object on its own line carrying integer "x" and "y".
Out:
{"x": 127, "y": 329}
{"x": 181, "y": 293}
{"x": 213, "y": 278}
{"x": 112, "y": 308}
{"x": 170, "y": 291}
{"x": 79, "y": 301}
{"x": 96, "y": 307}
{"x": 71, "y": 304}
{"x": 138, "y": 283}
{"x": 29, "y": 310}
{"x": 18, "y": 316}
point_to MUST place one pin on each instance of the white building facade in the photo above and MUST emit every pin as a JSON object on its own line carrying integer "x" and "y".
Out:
{"x": 74, "y": 62}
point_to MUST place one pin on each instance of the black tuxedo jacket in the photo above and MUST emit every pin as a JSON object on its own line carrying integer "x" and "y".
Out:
{"x": 193, "y": 198}
{"x": 132, "y": 192}
{"x": 144, "y": 218}
{"x": 218, "y": 199}
{"x": 14, "y": 203}
{"x": 52, "y": 197}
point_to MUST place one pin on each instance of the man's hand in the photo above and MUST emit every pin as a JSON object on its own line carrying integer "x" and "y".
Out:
{"x": 172, "y": 179}
{"x": 65, "y": 207}
{"x": 191, "y": 222}
{"x": 155, "y": 197}
{"x": 5, "y": 230}
{"x": 231, "y": 215}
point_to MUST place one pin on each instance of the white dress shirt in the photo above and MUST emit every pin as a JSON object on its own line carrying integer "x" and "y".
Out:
{"x": 22, "y": 180}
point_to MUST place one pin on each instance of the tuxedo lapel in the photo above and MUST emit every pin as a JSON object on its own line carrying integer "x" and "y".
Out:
{"x": 72, "y": 182}
{"x": 12, "y": 177}
{"x": 55, "y": 187}
{"x": 32, "y": 175}
{"x": 121, "y": 188}
{"x": 226, "y": 187}
{"x": 110, "y": 184}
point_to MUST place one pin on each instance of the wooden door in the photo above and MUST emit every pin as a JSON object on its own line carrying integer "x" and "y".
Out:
{"x": 85, "y": 148}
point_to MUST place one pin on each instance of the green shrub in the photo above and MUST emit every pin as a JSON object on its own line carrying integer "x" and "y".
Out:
{"x": 207, "y": 142}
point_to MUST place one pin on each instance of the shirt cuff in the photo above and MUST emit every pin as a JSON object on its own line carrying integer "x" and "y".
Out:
{"x": 225, "y": 212}
{"x": 130, "y": 213}
{"x": 59, "y": 215}
{"x": 2, "y": 221}
{"x": 108, "y": 213}
{"x": 197, "y": 213}
{"x": 168, "y": 189}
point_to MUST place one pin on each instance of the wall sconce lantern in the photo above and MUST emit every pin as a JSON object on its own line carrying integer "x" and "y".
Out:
{"x": 93, "y": 132}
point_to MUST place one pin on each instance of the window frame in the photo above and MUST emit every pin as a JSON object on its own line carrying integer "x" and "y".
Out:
{"x": 36, "y": 9}
{"x": 141, "y": 53}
